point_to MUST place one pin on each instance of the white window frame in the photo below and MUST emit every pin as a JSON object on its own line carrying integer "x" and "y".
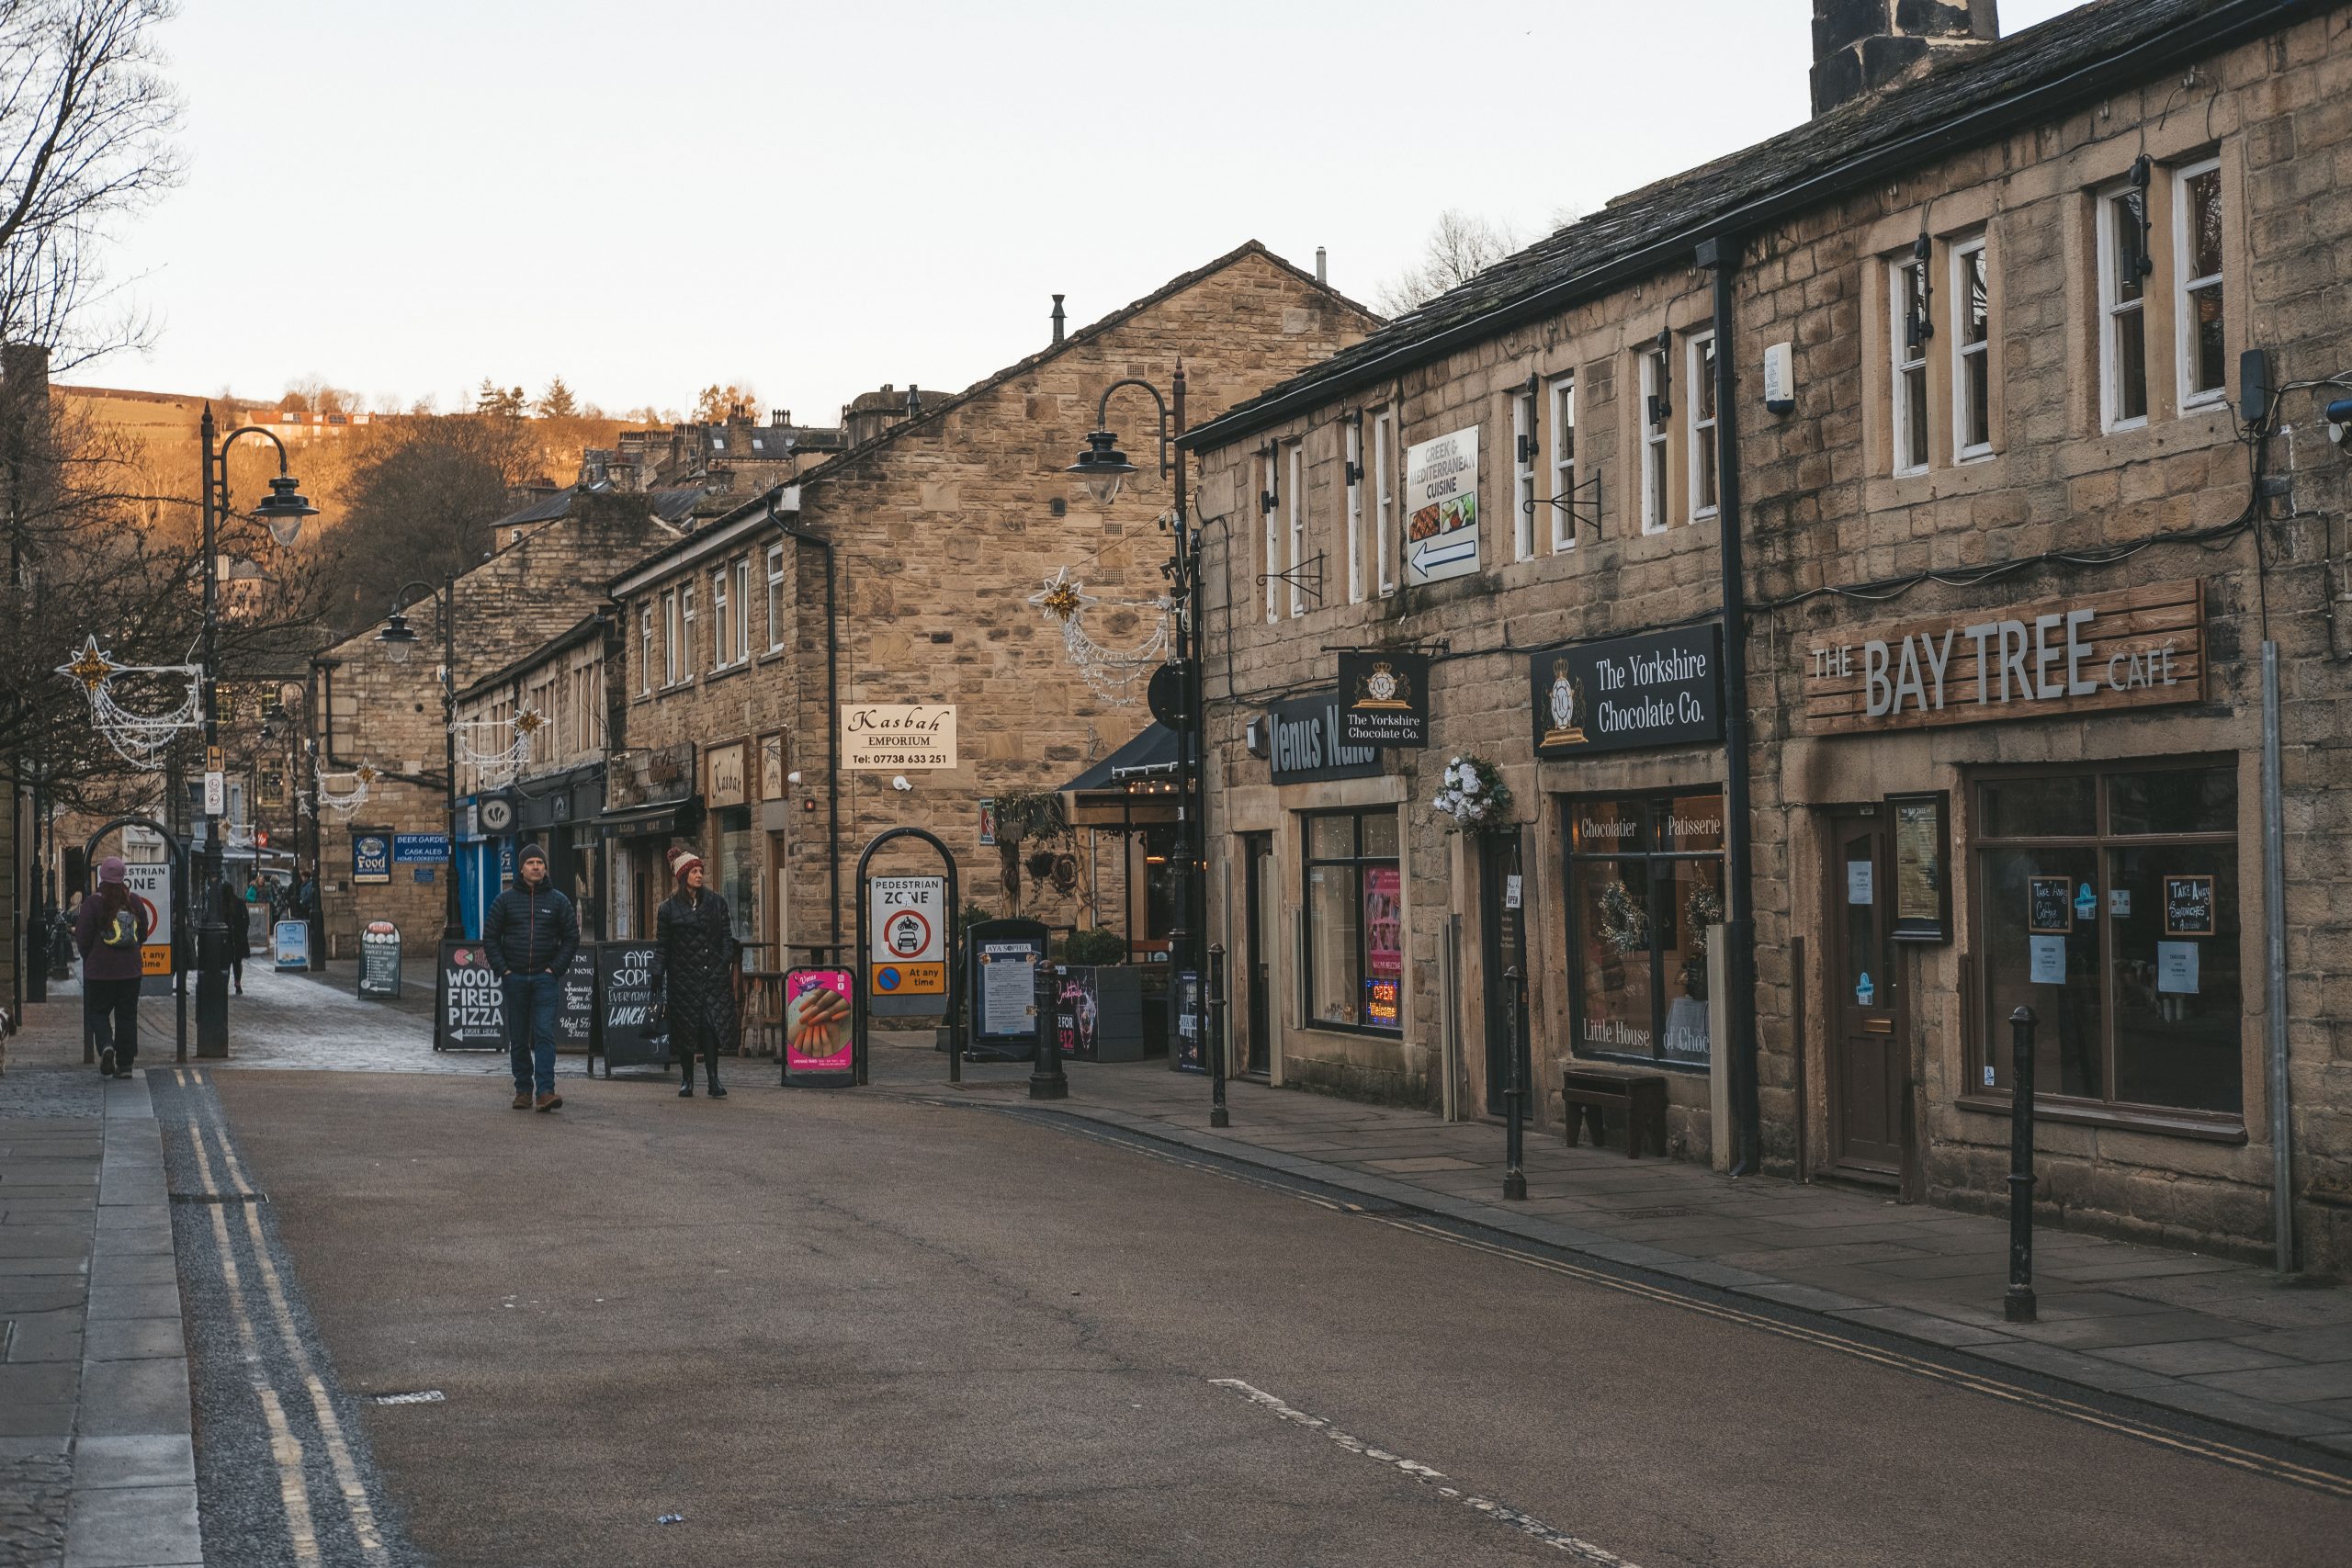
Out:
{"x": 2187, "y": 288}
{"x": 742, "y": 609}
{"x": 670, "y": 644}
{"x": 645, "y": 648}
{"x": 1352, "y": 453}
{"x": 1522, "y": 435}
{"x": 1273, "y": 529}
{"x": 721, "y": 632}
{"x": 1655, "y": 456}
{"x": 1963, "y": 252}
{"x": 1902, "y": 360}
{"x": 1561, "y": 398}
{"x": 1294, "y": 507}
{"x": 2112, "y": 308}
{"x": 775, "y": 598}
{"x": 686, "y": 622}
{"x": 1699, "y": 435}
{"x": 1384, "y": 492}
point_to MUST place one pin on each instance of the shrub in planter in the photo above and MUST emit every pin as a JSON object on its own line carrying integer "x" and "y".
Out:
{"x": 1095, "y": 946}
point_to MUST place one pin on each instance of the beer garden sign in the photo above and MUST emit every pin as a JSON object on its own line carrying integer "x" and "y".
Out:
{"x": 2136, "y": 648}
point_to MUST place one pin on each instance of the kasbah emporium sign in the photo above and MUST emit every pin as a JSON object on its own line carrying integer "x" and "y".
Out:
{"x": 2138, "y": 648}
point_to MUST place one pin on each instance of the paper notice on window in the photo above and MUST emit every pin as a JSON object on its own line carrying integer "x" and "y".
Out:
{"x": 1858, "y": 882}
{"x": 2176, "y": 969}
{"x": 2048, "y": 959}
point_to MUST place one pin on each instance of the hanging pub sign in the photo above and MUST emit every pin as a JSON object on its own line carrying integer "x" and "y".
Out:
{"x": 371, "y": 856}
{"x": 724, "y": 784}
{"x": 1922, "y": 866}
{"x": 1660, "y": 689}
{"x": 1385, "y": 698}
{"x": 1306, "y": 742}
{"x": 1441, "y": 508}
{"x": 2132, "y": 648}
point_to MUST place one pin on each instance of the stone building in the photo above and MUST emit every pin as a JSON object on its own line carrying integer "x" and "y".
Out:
{"x": 907, "y": 571}
{"x": 375, "y": 711}
{"x": 1943, "y": 393}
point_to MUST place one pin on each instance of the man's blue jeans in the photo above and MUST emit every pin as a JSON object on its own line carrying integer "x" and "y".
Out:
{"x": 530, "y": 1031}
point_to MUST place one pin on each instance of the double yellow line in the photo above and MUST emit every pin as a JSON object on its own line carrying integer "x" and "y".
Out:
{"x": 285, "y": 1447}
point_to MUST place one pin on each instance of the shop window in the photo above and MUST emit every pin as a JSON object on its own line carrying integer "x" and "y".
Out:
{"x": 2123, "y": 268}
{"x": 1354, "y": 913}
{"x": 2197, "y": 250}
{"x": 1907, "y": 339}
{"x": 1972, "y": 365}
{"x": 1645, "y": 892}
{"x": 2106, "y": 901}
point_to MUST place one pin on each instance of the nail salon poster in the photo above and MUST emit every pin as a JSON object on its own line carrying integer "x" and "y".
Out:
{"x": 816, "y": 1034}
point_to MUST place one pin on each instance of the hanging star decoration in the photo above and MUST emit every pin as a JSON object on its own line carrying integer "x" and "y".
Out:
{"x": 1064, "y": 598}
{"x": 528, "y": 722}
{"x": 89, "y": 666}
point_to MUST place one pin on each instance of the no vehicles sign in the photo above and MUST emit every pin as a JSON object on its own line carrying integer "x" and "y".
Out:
{"x": 909, "y": 916}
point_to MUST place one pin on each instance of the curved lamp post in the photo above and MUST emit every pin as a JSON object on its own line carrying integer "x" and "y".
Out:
{"x": 398, "y": 641}
{"x": 282, "y": 511}
{"x": 1103, "y": 469}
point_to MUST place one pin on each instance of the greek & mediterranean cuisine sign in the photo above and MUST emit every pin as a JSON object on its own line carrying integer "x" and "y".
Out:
{"x": 1441, "y": 508}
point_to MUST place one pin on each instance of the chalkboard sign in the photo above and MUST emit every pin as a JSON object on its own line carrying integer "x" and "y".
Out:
{"x": 625, "y": 984}
{"x": 2049, "y": 902}
{"x": 2188, "y": 905}
{"x": 575, "y": 1003}
{"x": 469, "y": 1012}
{"x": 379, "y": 960}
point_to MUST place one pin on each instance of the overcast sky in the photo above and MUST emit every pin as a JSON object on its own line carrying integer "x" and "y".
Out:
{"x": 819, "y": 198}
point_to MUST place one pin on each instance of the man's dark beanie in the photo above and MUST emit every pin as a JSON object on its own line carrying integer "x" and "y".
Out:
{"x": 530, "y": 852}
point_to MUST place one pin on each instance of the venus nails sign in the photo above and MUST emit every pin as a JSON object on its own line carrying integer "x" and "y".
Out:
{"x": 2137, "y": 648}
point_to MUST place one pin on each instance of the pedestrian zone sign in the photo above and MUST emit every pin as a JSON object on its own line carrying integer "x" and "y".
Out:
{"x": 909, "y": 921}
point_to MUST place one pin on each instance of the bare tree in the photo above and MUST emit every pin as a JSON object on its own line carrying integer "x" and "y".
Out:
{"x": 85, "y": 125}
{"x": 1460, "y": 247}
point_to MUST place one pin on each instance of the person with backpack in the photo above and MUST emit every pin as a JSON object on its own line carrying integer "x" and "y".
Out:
{"x": 529, "y": 935}
{"x": 108, "y": 932}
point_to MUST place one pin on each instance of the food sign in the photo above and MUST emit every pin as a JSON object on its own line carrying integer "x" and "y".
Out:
{"x": 1441, "y": 508}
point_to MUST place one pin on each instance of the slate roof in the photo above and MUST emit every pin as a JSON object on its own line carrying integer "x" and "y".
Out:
{"x": 1970, "y": 98}
{"x": 670, "y": 505}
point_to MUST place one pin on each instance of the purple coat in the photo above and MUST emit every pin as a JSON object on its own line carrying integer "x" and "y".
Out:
{"x": 100, "y": 962}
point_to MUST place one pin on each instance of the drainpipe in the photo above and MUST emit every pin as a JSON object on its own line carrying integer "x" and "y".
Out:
{"x": 1721, "y": 256}
{"x": 2274, "y": 1002}
{"x": 832, "y": 721}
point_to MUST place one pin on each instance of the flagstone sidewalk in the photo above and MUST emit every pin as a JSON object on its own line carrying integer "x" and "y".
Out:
{"x": 2207, "y": 1335}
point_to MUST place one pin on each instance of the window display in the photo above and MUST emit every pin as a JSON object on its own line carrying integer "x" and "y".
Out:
{"x": 1646, "y": 887}
{"x": 1354, "y": 910}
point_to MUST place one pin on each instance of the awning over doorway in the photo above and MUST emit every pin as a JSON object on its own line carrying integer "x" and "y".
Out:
{"x": 1133, "y": 787}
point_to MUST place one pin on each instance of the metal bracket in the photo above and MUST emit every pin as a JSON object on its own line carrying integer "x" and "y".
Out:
{"x": 1580, "y": 506}
{"x": 1306, "y": 578}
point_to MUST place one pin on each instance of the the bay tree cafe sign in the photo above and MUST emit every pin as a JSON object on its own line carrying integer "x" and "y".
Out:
{"x": 2132, "y": 648}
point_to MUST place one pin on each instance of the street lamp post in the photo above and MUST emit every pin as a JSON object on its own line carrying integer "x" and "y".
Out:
{"x": 1104, "y": 469}
{"x": 283, "y": 511}
{"x": 399, "y": 641}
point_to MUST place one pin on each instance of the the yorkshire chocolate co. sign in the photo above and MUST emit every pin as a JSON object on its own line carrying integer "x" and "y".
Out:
{"x": 1662, "y": 689}
{"x": 2135, "y": 647}
{"x": 1386, "y": 698}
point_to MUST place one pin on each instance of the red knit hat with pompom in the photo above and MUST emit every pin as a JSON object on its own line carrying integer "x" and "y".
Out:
{"x": 681, "y": 860}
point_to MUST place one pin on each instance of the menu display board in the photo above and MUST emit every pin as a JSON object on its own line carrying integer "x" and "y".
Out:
{"x": 1922, "y": 868}
{"x": 2050, "y": 905}
{"x": 2188, "y": 905}
{"x": 624, "y": 986}
{"x": 471, "y": 1011}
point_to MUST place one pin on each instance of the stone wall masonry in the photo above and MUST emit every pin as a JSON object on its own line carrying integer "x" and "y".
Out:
{"x": 944, "y": 533}
{"x": 1824, "y": 511}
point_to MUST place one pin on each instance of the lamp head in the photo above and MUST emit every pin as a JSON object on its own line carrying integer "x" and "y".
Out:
{"x": 284, "y": 510}
{"x": 1104, "y": 466}
{"x": 398, "y": 639}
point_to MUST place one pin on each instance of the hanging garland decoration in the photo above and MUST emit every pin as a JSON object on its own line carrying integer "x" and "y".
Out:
{"x": 1703, "y": 909}
{"x": 343, "y": 802}
{"x": 1111, "y": 674}
{"x": 140, "y": 739}
{"x": 498, "y": 764}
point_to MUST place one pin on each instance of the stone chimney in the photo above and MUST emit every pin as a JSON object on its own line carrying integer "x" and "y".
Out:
{"x": 1862, "y": 47}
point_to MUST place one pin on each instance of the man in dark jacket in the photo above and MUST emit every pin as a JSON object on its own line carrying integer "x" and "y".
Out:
{"x": 529, "y": 937}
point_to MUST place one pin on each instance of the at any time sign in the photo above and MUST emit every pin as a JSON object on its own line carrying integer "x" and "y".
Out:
{"x": 908, "y": 917}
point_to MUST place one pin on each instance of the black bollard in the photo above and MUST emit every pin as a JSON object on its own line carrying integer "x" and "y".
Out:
{"x": 1212, "y": 1047}
{"x": 2019, "y": 1306}
{"x": 1515, "y": 1097}
{"x": 1046, "y": 1079}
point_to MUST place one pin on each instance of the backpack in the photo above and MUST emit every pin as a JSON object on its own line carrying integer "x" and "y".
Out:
{"x": 120, "y": 932}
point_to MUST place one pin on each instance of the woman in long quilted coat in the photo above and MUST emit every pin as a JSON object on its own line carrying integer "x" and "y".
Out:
{"x": 695, "y": 953}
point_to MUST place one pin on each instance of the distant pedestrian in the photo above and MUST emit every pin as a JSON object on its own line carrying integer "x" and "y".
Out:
{"x": 695, "y": 953}
{"x": 108, "y": 932}
{"x": 241, "y": 931}
{"x": 529, "y": 936}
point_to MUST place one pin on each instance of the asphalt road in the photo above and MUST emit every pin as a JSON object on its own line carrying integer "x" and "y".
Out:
{"x": 832, "y": 1329}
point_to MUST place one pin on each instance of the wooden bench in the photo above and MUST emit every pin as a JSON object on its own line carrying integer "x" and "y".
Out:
{"x": 1591, "y": 1092}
